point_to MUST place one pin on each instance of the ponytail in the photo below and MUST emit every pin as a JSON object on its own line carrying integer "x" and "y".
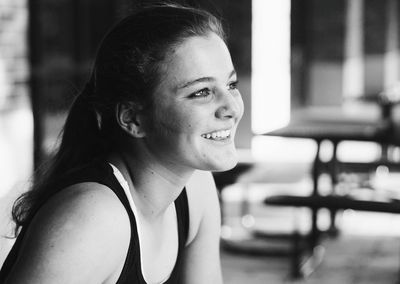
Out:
{"x": 82, "y": 138}
{"x": 82, "y": 141}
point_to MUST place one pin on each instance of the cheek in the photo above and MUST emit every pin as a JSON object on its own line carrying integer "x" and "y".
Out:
{"x": 169, "y": 125}
{"x": 170, "y": 121}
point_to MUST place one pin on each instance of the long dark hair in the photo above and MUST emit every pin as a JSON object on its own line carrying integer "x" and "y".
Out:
{"x": 126, "y": 70}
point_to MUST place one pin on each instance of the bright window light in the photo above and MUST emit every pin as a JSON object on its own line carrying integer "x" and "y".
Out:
{"x": 283, "y": 150}
{"x": 353, "y": 65}
{"x": 270, "y": 65}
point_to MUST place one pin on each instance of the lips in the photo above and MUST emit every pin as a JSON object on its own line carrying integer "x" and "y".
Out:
{"x": 217, "y": 135}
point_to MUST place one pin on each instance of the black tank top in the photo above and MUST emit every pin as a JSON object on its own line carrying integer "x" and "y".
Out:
{"x": 102, "y": 172}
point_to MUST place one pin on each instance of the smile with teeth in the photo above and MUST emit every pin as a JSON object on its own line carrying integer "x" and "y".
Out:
{"x": 217, "y": 135}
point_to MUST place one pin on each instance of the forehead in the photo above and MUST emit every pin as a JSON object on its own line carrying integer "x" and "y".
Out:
{"x": 196, "y": 57}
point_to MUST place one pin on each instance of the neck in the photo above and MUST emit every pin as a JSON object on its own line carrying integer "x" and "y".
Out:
{"x": 154, "y": 186}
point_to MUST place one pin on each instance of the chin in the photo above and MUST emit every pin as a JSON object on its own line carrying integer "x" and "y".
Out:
{"x": 217, "y": 161}
{"x": 221, "y": 166}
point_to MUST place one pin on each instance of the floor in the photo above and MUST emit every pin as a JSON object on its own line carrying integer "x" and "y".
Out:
{"x": 367, "y": 249}
{"x": 352, "y": 259}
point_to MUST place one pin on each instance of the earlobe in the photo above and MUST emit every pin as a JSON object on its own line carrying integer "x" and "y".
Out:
{"x": 135, "y": 131}
{"x": 130, "y": 119}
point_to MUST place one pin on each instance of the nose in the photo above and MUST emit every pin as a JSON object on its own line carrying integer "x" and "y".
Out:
{"x": 231, "y": 106}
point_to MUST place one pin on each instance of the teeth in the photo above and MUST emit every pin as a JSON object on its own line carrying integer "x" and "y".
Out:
{"x": 218, "y": 134}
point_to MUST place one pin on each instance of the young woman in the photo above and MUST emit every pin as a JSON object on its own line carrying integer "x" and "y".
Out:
{"x": 129, "y": 197}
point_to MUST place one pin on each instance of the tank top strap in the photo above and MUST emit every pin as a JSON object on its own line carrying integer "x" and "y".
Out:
{"x": 182, "y": 215}
{"x": 182, "y": 212}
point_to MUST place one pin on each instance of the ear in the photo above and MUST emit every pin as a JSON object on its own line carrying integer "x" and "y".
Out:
{"x": 131, "y": 119}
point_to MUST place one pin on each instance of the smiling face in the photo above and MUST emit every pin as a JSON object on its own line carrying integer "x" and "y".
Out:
{"x": 197, "y": 107}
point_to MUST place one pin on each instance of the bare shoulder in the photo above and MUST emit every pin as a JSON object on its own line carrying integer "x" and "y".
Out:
{"x": 203, "y": 200}
{"x": 79, "y": 226}
{"x": 84, "y": 206}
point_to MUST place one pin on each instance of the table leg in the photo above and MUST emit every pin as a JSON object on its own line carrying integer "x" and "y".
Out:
{"x": 314, "y": 237}
{"x": 333, "y": 171}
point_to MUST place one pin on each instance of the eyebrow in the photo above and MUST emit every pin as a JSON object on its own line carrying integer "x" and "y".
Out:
{"x": 202, "y": 79}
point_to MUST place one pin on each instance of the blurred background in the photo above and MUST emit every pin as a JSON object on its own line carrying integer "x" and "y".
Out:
{"x": 320, "y": 80}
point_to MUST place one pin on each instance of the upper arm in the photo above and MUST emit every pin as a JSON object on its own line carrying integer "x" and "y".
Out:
{"x": 78, "y": 236}
{"x": 202, "y": 257}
